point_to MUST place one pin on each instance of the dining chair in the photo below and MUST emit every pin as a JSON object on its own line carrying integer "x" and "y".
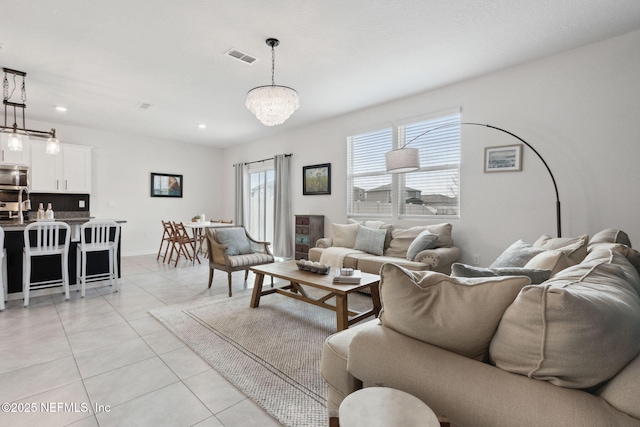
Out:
{"x": 3, "y": 270}
{"x": 167, "y": 235}
{"x": 44, "y": 239}
{"x": 98, "y": 236}
{"x": 182, "y": 243}
{"x": 233, "y": 249}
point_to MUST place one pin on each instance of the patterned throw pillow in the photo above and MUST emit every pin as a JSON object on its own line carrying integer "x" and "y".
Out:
{"x": 516, "y": 255}
{"x": 370, "y": 240}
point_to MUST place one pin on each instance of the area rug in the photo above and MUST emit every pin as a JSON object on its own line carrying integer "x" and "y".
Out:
{"x": 270, "y": 353}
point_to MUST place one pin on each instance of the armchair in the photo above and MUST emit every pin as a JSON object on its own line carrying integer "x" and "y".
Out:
{"x": 233, "y": 249}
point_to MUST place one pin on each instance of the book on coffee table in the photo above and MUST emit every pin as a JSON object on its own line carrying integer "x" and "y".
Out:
{"x": 352, "y": 278}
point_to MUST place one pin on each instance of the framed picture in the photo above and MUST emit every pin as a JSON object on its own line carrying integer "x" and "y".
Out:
{"x": 166, "y": 185}
{"x": 503, "y": 159}
{"x": 316, "y": 179}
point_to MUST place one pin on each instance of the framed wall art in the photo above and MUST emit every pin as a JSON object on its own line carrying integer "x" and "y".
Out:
{"x": 166, "y": 185}
{"x": 316, "y": 179}
{"x": 507, "y": 158}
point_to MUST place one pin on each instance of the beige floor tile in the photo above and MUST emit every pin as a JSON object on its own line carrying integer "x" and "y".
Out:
{"x": 103, "y": 337}
{"x": 173, "y": 405}
{"x": 129, "y": 382}
{"x": 163, "y": 342}
{"x": 214, "y": 391}
{"x": 246, "y": 414}
{"x": 210, "y": 422}
{"x": 146, "y": 325}
{"x": 184, "y": 362}
{"x": 103, "y": 359}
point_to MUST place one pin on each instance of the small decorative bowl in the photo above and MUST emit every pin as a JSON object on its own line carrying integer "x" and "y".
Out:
{"x": 313, "y": 268}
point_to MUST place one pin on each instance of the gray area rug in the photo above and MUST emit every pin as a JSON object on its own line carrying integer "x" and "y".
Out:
{"x": 271, "y": 353}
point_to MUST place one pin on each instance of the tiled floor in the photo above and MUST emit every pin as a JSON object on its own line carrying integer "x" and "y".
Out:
{"x": 60, "y": 358}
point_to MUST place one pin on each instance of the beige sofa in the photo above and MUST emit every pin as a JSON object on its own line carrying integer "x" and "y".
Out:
{"x": 563, "y": 353}
{"x": 393, "y": 248}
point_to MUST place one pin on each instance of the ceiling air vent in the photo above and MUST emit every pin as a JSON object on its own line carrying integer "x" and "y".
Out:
{"x": 241, "y": 56}
{"x": 143, "y": 106}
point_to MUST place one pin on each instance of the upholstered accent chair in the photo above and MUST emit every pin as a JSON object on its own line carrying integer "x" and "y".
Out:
{"x": 233, "y": 249}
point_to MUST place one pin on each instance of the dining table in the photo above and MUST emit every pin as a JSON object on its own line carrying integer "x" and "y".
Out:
{"x": 197, "y": 229}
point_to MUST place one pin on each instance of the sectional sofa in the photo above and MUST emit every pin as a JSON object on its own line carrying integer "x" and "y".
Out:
{"x": 499, "y": 351}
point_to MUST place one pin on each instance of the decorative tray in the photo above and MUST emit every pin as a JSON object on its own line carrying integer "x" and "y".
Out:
{"x": 313, "y": 267}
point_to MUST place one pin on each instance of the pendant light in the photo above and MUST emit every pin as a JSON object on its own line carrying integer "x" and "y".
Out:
{"x": 272, "y": 104}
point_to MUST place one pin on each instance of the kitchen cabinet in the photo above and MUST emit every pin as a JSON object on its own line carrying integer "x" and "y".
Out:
{"x": 15, "y": 157}
{"x": 69, "y": 171}
{"x": 309, "y": 228}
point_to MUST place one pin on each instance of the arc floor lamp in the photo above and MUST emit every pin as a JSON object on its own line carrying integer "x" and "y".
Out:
{"x": 403, "y": 160}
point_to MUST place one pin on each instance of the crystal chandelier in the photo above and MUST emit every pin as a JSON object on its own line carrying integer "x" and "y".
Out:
{"x": 272, "y": 104}
{"x": 14, "y": 142}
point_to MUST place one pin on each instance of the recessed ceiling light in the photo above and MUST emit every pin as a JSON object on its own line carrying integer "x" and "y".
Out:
{"x": 61, "y": 108}
{"x": 202, "y": 125}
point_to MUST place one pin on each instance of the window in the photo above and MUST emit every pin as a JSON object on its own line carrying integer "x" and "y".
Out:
{"x": 261, "y": 201}
{"x": 431, "y": 191}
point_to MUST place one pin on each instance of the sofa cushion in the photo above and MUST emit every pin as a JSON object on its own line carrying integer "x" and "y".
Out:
{"x": 235, "y": 239}
{"x": 401, "y": 239}
{"x": 536, "y": 275}
{"x": 425, "y": 240}
{"x": 574, "y": 247}
{"x": 621, "y": 391}
{"x": 610, "y": 235}
{"x": 576, "y": 330}
{"x": 552, "y": 260}
{"x": 457, "y": 314}
{"x": 516, "y": 255}
{"x": 344, "y": 235}
{"x": 370, "y": 240}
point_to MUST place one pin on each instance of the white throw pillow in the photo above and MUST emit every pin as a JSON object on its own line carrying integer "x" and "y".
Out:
{"x": 425, "y": 240}
{"x": 344, "y": 235}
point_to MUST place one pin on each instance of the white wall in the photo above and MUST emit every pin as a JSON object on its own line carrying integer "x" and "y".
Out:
{"x": 579, "y": 109}
{"x": 121, "y": 167}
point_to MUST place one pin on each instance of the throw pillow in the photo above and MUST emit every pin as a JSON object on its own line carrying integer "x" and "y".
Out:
{"x": 235, "y": 239}
{"x": 610, "y": 235}
{"x": 457, "y": 314}
{"x": 576, "y": 330}
{"x": 536, "y": 275}
{"x": 574, "y": 247}
{"x": 516, "y": 255}
{"x": 370, "y": 240}
{"x": 344, "y": 235}
{"x": 553, "y": 260}
{"x": 425, "y": 240}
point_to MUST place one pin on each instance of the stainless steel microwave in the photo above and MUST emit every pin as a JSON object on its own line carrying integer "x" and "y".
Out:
{"x": 14, "y": 177}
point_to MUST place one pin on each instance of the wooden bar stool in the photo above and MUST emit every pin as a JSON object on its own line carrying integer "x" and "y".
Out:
{"x": 98, "y": 236}
{"x": 46, "y": 242}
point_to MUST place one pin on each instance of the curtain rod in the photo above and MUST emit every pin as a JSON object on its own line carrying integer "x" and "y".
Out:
{"x": 264, "y": 160}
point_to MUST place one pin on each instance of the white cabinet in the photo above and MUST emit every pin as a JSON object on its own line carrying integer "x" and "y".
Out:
{"x": 69, "y": 171}
{"x": 14, "y": 157}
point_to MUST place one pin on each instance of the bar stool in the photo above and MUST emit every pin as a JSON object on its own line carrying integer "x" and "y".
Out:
{"x": 98, "y": 236}
{"x": 47, "y": 242}
{"x": 3, "y": 270}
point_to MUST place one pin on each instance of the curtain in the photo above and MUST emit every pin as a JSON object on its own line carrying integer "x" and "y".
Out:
{"x": 283, "y": 221}
{"x": 240, "y": 213}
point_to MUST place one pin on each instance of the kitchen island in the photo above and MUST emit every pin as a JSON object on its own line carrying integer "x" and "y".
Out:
{"x": 48, "y": 267}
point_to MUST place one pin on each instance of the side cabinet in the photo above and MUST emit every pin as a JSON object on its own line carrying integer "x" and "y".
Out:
{"x": 309, "y": 228}
{"x": 66, "y": 172}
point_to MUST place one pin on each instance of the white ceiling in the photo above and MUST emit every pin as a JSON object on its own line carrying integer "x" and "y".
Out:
{"x": 100, "y": 59}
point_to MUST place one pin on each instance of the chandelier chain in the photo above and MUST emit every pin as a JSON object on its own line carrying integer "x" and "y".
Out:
{"x": 273, "y": 65}
{"x": 24, "y": 90}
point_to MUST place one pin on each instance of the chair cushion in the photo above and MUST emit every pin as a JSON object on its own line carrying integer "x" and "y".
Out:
{"x": 457, "y": 314}
{"x": 235, "y": 239}
{"x": 250, "y": 259}
{"x": 516, "y": 255}
{"x": 576, "y": 330}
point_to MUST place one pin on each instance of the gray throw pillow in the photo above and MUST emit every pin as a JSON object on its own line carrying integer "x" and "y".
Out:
{"x": 424, "y": 240}
{"x": 516, "y": 255}
{"x": 536, "y": 275}
{"x": 370, "y": 240}
{"x": 236, "y": 241}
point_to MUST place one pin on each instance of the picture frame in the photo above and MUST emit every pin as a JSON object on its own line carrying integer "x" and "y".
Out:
{"x": 166, "y": 185}
{"x": 505, "y": 158}
{"x": 316, "y": 179}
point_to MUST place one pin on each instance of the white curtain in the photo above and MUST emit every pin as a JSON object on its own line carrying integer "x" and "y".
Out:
{"x": 283, "y": 221}
{"x": 241, "y": 195}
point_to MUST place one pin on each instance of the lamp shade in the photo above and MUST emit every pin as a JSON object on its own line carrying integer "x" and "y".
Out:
{"x": 53, "y": 146}
{"x": 403, "y": 160}
{"x": 272, "y": 105}
{"x": 14, "y": 142}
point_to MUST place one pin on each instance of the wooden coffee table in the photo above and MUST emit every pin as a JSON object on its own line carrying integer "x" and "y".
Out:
{"x": 289, "y": 271}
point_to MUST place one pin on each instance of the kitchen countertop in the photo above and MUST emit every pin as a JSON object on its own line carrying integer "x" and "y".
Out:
{"x": 14, "y": 224}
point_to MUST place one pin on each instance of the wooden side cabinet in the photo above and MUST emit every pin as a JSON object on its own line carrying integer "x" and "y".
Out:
{"x": 309, "y": 228}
